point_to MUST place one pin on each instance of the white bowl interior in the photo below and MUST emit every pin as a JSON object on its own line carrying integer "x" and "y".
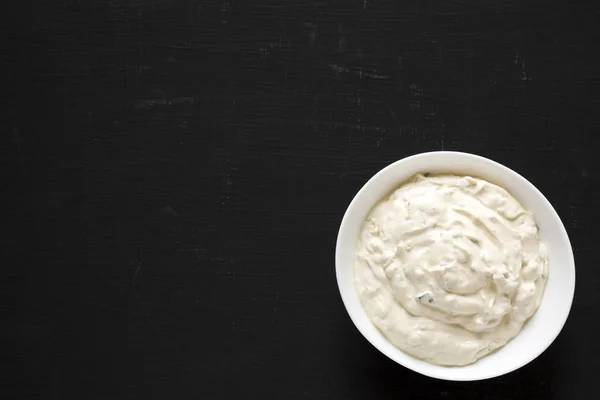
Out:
{"x": 539, "y": 332}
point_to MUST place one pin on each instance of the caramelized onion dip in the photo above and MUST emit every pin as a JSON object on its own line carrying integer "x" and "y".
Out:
{"x": 449, "y": 268}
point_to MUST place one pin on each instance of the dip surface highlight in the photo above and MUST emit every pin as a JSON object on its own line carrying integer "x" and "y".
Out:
{"x": 449, "y": 268}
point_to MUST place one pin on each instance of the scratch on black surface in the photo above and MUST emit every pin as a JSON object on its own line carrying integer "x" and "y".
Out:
{"x": 337, "y": 68}
{"x": 267, "y": 50}
{"x": 573, "y": 217}
{"x": 137, "y": 270}
{"x": 357, "y": 71}
{"x": 313, "y": 32}
{"x": 416, "y": 90}
{"x": 164, "y": 102}
{"x": 169, "y": 210}
{"x": 395, "y": 119}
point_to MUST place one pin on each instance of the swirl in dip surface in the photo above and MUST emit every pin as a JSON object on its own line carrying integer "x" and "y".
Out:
{"x": 449, "y": 268}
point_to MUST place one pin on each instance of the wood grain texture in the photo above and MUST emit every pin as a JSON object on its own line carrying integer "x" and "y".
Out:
{"x": 176, "y": 172}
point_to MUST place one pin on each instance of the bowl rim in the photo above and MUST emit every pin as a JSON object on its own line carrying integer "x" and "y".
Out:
{"x": 523, "y": 181}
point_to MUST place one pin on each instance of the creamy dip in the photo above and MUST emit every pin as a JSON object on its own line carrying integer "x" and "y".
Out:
{"x": 449, "y": 268}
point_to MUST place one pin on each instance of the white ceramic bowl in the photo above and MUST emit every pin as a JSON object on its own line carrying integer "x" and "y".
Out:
{"x": 537, "y": 334}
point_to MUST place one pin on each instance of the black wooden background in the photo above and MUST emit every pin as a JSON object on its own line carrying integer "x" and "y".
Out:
{"x": 175, "y": 172}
